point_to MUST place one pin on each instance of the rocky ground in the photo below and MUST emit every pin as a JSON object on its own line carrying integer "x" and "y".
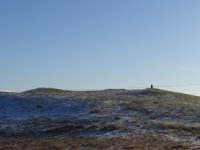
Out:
{"x": 110, "y": 119}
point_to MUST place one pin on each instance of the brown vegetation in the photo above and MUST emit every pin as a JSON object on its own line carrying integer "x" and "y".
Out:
{"x": 140, "y": 142}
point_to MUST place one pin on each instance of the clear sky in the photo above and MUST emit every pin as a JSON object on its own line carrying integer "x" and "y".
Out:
{"x": 90, "y": 44}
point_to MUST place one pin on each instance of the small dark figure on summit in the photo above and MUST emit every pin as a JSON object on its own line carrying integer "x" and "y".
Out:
{"x": 151, "y": 86}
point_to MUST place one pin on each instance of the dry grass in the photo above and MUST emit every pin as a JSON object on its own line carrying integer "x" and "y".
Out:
{"x": 178, "y": 128}
{"x": 31, "y": 144}
{"x": 140, "y": 142}
{"x": 151, "y": 109}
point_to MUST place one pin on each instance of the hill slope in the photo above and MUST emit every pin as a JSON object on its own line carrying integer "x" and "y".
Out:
{"x": 104, "y": 114}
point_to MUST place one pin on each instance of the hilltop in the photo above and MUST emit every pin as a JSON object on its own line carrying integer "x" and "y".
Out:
{"x": 148, "y": 118}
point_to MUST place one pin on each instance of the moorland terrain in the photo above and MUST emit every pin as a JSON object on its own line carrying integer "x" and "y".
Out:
{"x": 47, "y": 118}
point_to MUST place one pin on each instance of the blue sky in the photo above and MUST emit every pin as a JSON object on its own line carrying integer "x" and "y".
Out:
{"x": 99, "y": 44}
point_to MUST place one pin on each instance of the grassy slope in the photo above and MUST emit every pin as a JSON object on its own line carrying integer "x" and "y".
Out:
{"x": 160, "y": 111}
{"x": 175, "y": 112}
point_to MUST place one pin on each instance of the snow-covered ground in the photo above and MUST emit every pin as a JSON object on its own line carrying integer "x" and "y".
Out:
{"x": 100, "y": 114}
{"x": 18, "y": 108}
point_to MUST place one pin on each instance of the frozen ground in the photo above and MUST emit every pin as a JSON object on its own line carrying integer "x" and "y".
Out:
{"x": 108, "y": 114}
